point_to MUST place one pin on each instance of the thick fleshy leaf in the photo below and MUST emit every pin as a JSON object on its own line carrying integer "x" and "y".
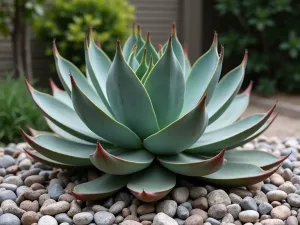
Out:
{"x": 160, "y": 50}
{"x": 150, "y": 67}
{"x": 187, "y": 63}
{"x": 238, "y": 174}
{"x": 141, "y": 71}
{"x": 139, "y": 39}
{"x": 213, "y": 141}
{"x": 254, "y": 157}
{"x": 102, "y": 124}
{"x": 192, "y": 165}
{"x": 180, "y": 134}
{"x": 62, "y": 115}
{"x": 62, "y": 133}
{"x": 100, "y": 188}
{"x": 201, "y": 74}
{"x": 61, "y": 150}
{"x": 150, "y": 51}
{"x": 61, "y": 95}
{"x": 120, "y": 161}
{"x": 226, "y": 91}
{"x": 166, "y": 86}
{"x": 152, "y": 184}
{"x": 128, "y": 98}
{"x": 65, "y": 68}
{"x": 131, "y": 41}
{"x": 233, "y": 112}
{"x": 177, "y": 48}
{"x": 50, "y": 162}
{"x": 132, "y": 61}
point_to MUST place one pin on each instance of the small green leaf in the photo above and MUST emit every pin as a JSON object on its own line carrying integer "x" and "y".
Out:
{"x": 132, "y": 61}
{"x": 131, "y": 41}
{"x": 192, "y": 165}
{"x": 226, "y": 91}
{"x": 139, "y": 39}
{"x": 187, "y": 65}
{"x": 150, "y": 51}
{"x": 233, "y": 112}
{"x": 166, "y": 86}
{"x": 238, "y": 174}
{"x": 120, "y": 161}
{"x": 152, "y": 184}
{"x": 177, "y": 48}
{"x": 151, "y": 65}
{"x": 61, "y": 150}
{"x": 141, "y": 71}
{"x": 101, "y": 123}
{"x": 200, "y": 77}
{"x": 180, "y": 134}
{"x": 213, "y": 141}
{"x": 100, "y": 188}
{"x": 255, "y": 157}
{"x": 127, "y": 97}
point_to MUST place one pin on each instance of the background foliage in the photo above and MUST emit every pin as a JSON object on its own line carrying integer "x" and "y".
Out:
{"x": 269, "y": 30}
{"x": 68, "y": 22}
{"x": 17, "y": 110}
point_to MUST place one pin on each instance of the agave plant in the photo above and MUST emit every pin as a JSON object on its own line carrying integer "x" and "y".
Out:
{"x": 147, "y": 117}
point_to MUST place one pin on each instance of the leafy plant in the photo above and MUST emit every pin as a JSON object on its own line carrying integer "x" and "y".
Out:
{"x": 152, "y": 116}
{"x": 68, "y": 21}
{"x": 16, "y": 110}
{"x": 271, "y": 36}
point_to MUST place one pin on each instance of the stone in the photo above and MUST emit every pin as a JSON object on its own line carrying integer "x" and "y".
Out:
{"x": 55, "y": 191}
{"x": 149, "y": 216}
{"x": 276, "y": 195}
{"x": 194, "y": 220}
{"x": 119, "y": 219}
{"x": 117, "y": 207}
{"x": 9, "y": 206}
{"x": 9, "y": 219}
{"x": 13, "y": 180}
{"x": 280, "y": 212}
{"x": 292, "y": 199}
{"x": 249, "y": 203}
{"x": 287, "y": 187}
{"x": 31, "y": 194}
{"x": 98, "y": 208}
{"x": 212, "y": 221}
{"x": 47, "y": 220}
{"x": 276, "y": 179}
{"x": 235, "y": 199}
{"x": 180, "y": 194}
{"x": 34, "y": 179}
{"x": 25, "y": 164}
{"x": 292, "y": 220}
{"x": 248, "y": 216}
{"x": 163, "y": 219}
{"x": 182, "y": 212}
{"x": 218, "y": 197}
{"x": 200, "y": 212}
{"x": 268, "y": 187}
{"x": 66, "y": 197}
{"x": 109, "y": 202}
{"x": 7, "y": 195}
{"x": 241, "y": 192}
{"x": 200, "y": 203}
{"x": 272, "y": 222}
{"x": 6, "y": 161}
{"x": 63, "y": 218}
{"x": 287, "y": 174}
{"x": 29, "y": 218}
{"x": 7, "y": 186}
{"x": 83, "y": 218}
{"x": 30, "y": 206}
{"x": 217, "y": 211}
{"x": 33, "y": 171}
{"x": 123, "y": 196}
{"x": 74, "y": 208}
{"x": 197, "y": 192}
{"x": 2, "y": 172}
{"x": 168, "y": 207}
{"x": 43, "y": 198}
{"x": 265, "y": 208}
{"x": 145, "y": 209}
{"x": 55, "y": 208}
{"x": 260, "y": 197}
{"x": 234, "y": 210}
{"x": 228, "y": 218}
{"x": 187, "y": 205}
{"x": 132, "y": 222}
{"x": 104, "y": 218}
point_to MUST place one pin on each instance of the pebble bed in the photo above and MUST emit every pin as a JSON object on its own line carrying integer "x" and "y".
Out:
{"x": 33, "y": 193}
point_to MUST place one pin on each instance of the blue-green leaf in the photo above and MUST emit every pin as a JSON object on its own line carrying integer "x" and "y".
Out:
{"x": 150, "y": 67}
{"x": 226, "y": 91}
{"x": 139, "y": 39}
{"x": 187, "y": 66}
{"x": 202, "y": 72}
{"x": 61, "y": 95}
{"x": 166, "y": 86}
{"x": 128, "y": 98}
{"x": 150, "y": 51}
{"x": 132, "y": 61}
{"x": 120, "y": 161}
{"x": 131, "y": 41}
{"x": 143, "y": 67}
{"x": 102, "y": 124}
{"x": 180, "y": 134}
{"x": 177, "y": 48}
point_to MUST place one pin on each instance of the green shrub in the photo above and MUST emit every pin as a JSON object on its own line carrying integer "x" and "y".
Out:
{"x": 268, "y": 29}
{"x": 17, "y": 110}
{"x": 68, "y": 22}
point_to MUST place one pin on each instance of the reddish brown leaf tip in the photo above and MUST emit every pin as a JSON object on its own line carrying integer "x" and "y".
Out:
{"x": 185, "y": 49}
{"x": 174, "y": 28}
{"x": 245, "y": 59}
{"x": 215, "y": 40}
{"x": 248, "y": 90}
{"x": 149, "y": 196}
{"x": 148, "y": 37}
{"x": 98, "y": 44}
{"x": 26, "y": 136}
{"x": 29, "y": 87}
{"x": 55, "y": 51}
{"x": 91, "y": 33}
{"x": 222, "y": 51}
{"x": 134, "y": 48}
{"x": 139, "y": 30}
{"x": 73, "y": 82}
{"x": 118, "y": 46}
{"x": 169, "y": 42}
{"x": 100, "y": 152}
{"x": 150, "y": 60}
{"x": 202, "y": 102}
{"x": 144, "y": 55}
{"x": 53, "y": 86}
{"x": 133, "y": 28}
{"x": 32, "y": 131}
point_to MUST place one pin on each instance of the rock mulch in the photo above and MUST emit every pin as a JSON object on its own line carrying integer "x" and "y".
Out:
{"x": 33, "y": 193}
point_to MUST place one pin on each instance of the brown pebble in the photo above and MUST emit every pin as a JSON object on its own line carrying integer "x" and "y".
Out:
{"x": 34, "y": 179}
{"x": 30, "y": 206}
{"x": 31, "y": 194}
{"x": 37, "y": 186}
{"x": 29, "y": 218}
{"x": 98, "y": 208}
{"x": 12, "y": 169}
{"x": 200, "y": 203}
{"x": 145, "y": 209}
{"x": 43, "y": 198}
{"x": 66, "y": 197}
{"x": 74, "y": 208}
{"x": 132, "y": 217}
{"x": 146, "y": 222}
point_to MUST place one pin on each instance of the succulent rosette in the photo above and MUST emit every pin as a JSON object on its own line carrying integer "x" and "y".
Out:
{"x": 147, "y": 117}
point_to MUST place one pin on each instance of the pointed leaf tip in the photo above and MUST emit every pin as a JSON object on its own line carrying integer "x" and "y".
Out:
{"x": 148, "y": 36}
{"x": 174, "y": 31}
{"x": 29, "y": 87}
{"x": 53, "y": 86}
{"x": 185, "y": 49}
{"x": 169, "y": 42}
{"x": 248, "y": 90}
{"x": 118, "y": 46}
{"x": 73, "y": 82}
{"x": 100, "y": 152}
{"x": 215, "y": 40}
{"x": 55, "y": 51}
{"x": 139, "y": 30}
{"x": 202, "y": 102}
{"x": 91, "y": 33}
{"x": 245, "y": 59}
{"x": 134, "y": 48}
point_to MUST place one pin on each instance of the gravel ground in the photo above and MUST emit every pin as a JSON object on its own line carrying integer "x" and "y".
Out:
{"x": 33, "y": 193}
